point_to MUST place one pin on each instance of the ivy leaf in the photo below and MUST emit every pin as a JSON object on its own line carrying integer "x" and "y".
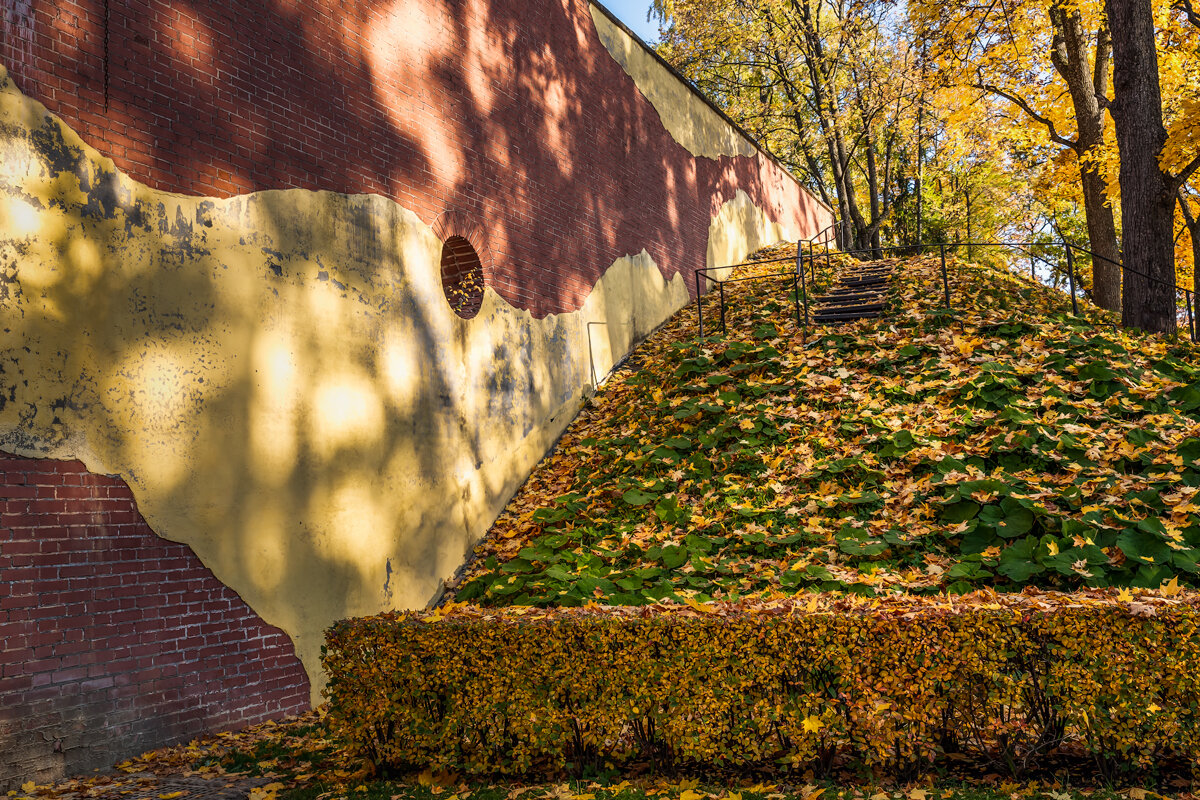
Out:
{"x": 961, "y": 511}
{"x": 1016, "y": 561}
{"x": 674, "y": 556}
{"x": 636, "y": 497}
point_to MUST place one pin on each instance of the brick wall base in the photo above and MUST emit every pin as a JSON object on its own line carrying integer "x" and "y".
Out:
{"x": 112, "y": 640}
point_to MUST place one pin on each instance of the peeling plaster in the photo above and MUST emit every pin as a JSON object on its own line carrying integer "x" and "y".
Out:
{"x": 689, "y": 120}
{"x": 278, "y": 376}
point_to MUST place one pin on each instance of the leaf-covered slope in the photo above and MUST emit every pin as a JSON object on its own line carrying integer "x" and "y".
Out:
{"x": 1000, "y": 444}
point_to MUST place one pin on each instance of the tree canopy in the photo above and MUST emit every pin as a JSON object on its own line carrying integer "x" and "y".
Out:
{"x": 961, "y": 120}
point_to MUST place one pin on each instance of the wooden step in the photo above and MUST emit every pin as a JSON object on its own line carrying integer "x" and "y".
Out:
{"x": 848, "y": 298}
{"x": 820, "y": 318}
{"x": 849, "y": 309}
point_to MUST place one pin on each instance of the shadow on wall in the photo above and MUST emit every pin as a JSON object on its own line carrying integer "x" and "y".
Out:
{"x": 532, "y": 130}
{"x": 278, "y": 375}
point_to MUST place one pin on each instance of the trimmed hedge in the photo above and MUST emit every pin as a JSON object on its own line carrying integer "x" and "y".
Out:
{"x": 894, "y": 684}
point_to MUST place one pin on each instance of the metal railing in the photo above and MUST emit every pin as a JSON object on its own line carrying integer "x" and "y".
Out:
{"x": 799, "y": 278}
{"x": 806, "y": 258}
{"x": 705, "y": 271}
{"x": 1185, "y": 316}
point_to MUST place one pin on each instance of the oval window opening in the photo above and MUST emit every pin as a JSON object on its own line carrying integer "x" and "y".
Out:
{"x": 462, "y": 277}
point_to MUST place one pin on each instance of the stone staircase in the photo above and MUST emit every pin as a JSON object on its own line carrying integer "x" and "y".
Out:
{"x": 858, "y": 294}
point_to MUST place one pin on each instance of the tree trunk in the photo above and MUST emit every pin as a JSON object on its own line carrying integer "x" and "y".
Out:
{"x": 855, "y": 224}
{"x": 1102, "y": 235}
{"x": 1147, "y": 194}
{"x": 920, "y": 176}
{"x": 1087, "y": 83}
{"x": 1193, "y": 228}
{"x": 967, "y": 201}
{"x": 873, "y": 191}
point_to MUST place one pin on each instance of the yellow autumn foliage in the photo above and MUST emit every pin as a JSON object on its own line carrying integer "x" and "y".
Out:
{"x": 794, "y": 681}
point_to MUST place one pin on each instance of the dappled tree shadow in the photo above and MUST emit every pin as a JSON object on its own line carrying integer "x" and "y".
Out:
{"x": 510, "y": 117}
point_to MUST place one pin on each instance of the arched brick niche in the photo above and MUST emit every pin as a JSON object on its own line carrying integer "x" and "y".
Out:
{"x": 466, "y": 263}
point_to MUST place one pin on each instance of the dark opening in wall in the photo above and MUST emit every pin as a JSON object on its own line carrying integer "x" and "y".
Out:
{"x": 462, "y": 276}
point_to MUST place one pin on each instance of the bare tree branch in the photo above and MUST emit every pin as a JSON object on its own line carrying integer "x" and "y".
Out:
{"x": 1189, "y": 11}
{"x": 1179, "y": 180}
{"x": 1028, "y": 109}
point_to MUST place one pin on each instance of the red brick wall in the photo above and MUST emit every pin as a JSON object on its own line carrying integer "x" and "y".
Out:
{"x": 112, "y": 640}
{"x": 505, "y": 121}
{"x": 508, "y": 114}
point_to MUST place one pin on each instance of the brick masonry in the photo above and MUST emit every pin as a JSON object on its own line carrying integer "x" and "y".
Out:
{"x": 505, "y": 122}
{"x": 114, "y": 641}
{"x": 507, "y": 114}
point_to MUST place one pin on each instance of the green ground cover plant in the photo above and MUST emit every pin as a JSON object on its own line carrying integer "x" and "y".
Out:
{"x": 1001, "y": 443}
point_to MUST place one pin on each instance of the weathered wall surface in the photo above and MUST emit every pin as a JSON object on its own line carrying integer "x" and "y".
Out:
{"x": 224, "y": 287}
{"x": 114, "y": 640}
{"x": 508, "y": 115}
{"x": 685, "y": 115}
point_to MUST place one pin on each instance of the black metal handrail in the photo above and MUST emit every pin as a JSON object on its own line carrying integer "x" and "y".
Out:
{"x": 801, "y": 274}
{"x": 1070, "y": 248}
{"x": 793, "y": 274}
{"x": 799, "y": 284}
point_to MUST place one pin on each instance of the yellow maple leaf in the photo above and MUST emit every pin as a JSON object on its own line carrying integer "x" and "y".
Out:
{"x": 170, "y": 795}
{"x": 689, "y": 794}
{"x": 1171, "y": 587}
{"x": 28, "y": 787}
{"x": 1125, "y": 596}
{"x": 812, "y": 724}
{"x": 702, "y": 607}
{"x": 917, "y": 794}
{"x": 966, "y": 346}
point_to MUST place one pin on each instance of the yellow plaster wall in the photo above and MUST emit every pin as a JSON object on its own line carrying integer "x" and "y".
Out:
{"x": 278, "y": 375}
{"x": 739, "y": 229}
{"x": 689, "y": 120}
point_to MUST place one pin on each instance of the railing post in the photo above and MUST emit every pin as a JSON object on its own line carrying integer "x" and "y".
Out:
{"x": 1071, "y": 279}
{"x": 796, "y": 294}
{"x": 699, "y": 304}
{"x": 1187, "y": 298}
{"x": 724, "y": 329}
{"x": 945, "y": 277}
{"x": 802, "y": 291}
